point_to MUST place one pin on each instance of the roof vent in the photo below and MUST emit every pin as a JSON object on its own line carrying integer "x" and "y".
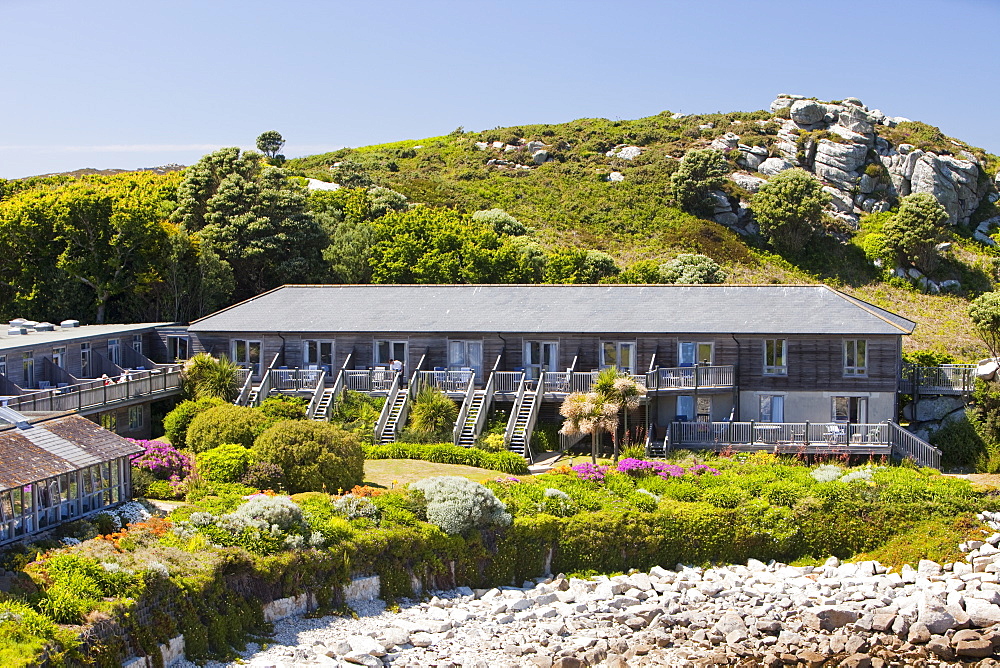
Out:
{"x": 17, "y": 322}
{"x": 16, "y": 331}
{"x": 45, "y": 327}
{"x": 69, "y": 324}
{"x": 30, "y": 324}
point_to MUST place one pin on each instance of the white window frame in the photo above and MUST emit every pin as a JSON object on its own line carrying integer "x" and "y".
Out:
{"x": 861, "y": 409}
{"x": 390, "y": 345}
{"x": 696, "y": 348}
{"x": 766, "y": 407}
{"x": 307, "y": 357}
{"x": 134, "y": 418}
{"x": 777, "y": 365}
{"x": 256, "y": 368}
{"x": 467, "y": 360}
{"x": 137, "y": 343}
{"x": 59, "y": 356}
{"x": 85, "y": 359}
{"x": 3, "y": 365}
{"x": 115, "y": 351}
{"x": 850, "y": 348}
{"x": 28, "y": 369}
{"x": 532, "y": 367}
{"x": 619, "y": 345}
{"x": 174, "y": 343}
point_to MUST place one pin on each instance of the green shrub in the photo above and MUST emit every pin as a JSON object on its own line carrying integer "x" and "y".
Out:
{"x": 283, "y": 407}
{"x": 161, "y": 489}
{"x": 700, "y": 171}
{"x": 177, "y": 421}
{"x": 459, "y": 505}
{"x": 226, "y": 463}
{"x": 141, "y": 479}
{"x": 264, "y": 475}
{"x": 789, "y": 210}
{"x": 225, "y": 424}
{"x": 446, "y": 453}
{"x": 313, "y": 456}
{"x": 692, "y": 268}
{"x": 724, "y": 497}
{"x": 434, "y": 413}
{"x": 491, "y": 443}
{"x": 959, "y": 443}
{"x": 205, "y": 376}
{"x": 356, "y": 507}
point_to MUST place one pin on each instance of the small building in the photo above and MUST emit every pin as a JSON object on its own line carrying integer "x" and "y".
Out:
{"x": 57, "y": 467}
{"x": 103, "y": 371}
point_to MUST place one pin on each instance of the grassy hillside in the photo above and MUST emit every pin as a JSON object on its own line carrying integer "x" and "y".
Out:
{"x": 569, "y": 201}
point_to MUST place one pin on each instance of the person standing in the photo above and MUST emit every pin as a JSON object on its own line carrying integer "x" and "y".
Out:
{"x": 396, "y": 366}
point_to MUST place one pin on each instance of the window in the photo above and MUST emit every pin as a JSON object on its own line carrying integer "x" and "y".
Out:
{"x": 135, "y": 417}
{"x": 691, "y": 352}
{"x": 772, "y": 408}
{"x": 3, "y": 365}
{"x": 850, "y": 409}
{"x": 319, "y": 353}
{"x": 85, "y": 360}
{"x": 109, "y": 421}
{"x": 177, "y": 347}
{"x": 690, "y": 409}
{"x": 540, "y": 356}
{"x": 775, "y": 357}
{"x": 466, "y": 355}
{"x": 387, "y": 351}
{"x": 247, "y": 355}
{"x": 115, "y": 351}
{"x": 59, "y": 356}
{"x": 855, "y": 357}
{"x": 28, "y": 367}
{"x": 137, "y": 343}
{"x": 619, "y": 354}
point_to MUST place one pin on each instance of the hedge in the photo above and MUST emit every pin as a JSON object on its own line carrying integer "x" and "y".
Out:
{"x": 445, "y": 453}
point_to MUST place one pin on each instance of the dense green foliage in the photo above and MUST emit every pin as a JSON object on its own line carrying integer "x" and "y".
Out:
{"x": 789, "y": 210}
{"x": 433, "y": 415}
{"x": 691, "y": 268}
{"x": 207, "y": 377}
{"x": 226, "y": 463}
{"x": 700, "y": 172}
{"x": 984, "y": 311}
{"x": 915, "y": 230}
{"x": 225, "y": 424}
{"x": 177, "y": 421}
{"x": 313, "y": 456}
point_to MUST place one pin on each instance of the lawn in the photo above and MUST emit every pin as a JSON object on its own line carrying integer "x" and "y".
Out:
{"x": 403, "y": 471}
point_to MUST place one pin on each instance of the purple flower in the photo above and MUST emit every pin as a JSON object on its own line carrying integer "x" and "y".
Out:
{"x": 161, "y": 459}
{"x": 588, "y": 471}
{"x": 702, "y": 469}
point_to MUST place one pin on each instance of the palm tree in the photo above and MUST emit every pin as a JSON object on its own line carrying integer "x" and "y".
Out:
{"x": 589, "y": 413}
{"x": 205, "y": 376}
{"x": 619, "y": 388}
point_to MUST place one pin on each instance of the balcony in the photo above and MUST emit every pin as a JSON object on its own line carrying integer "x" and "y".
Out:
{"x": 95, "y": 396}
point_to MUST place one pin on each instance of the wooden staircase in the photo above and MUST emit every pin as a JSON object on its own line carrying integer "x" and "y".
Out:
{"x": 324, "y": 406}
{"x": 523, "y": 425}
{"x": 389, "y": 429}
{"x": 469, "y": 431}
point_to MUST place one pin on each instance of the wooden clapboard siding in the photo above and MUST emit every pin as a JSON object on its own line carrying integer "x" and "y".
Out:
{"x": 817, "y": 363}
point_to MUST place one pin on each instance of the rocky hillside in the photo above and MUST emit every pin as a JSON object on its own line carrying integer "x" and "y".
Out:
{"x": 606, "y": 185}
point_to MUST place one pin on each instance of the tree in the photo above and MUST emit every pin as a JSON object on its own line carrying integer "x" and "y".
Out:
{"x": 914, "y": 232}
{"x": 572, "y": 265}
{"x": 589, "y": 413}
{"x": 253, "y": 218}
{"x": 789, "y": 209}
{"x": 700, "y": 172}
{"x": 433, "y": 414}
{"x": 984, "y": 311}
{"x": 207, "y": 377}
{"x": 617, "y": 387}
{"x": 269, "y": 143}
{"x": 692, "y": 268}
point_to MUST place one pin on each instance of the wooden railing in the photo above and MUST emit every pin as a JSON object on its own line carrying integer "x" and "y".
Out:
{"x": 488, "y": 397}
{"x": 244, "y": 396}
{"x": 265, "y": 382}
{"x": 522, "y": 387}
{"x": 390, "y": 399}
{"x": 368, "y": 380}
{"x": 506, "y": 382}
{"x": 95, "y": 394}
{"x": 693, "y": 434}
{"x": 463, "y": 411}
{"x": 909, "y": 446}
{"x": 411, "y": 391}
{"x": 708, "y": 377}
{"x": 338, "y": 384}
{"x": 295, "y": 380}
{"x": 450, "y": 382}
{"x": 242, "y": 374}
{"x": 536, "y": 404}
{"x": 942, "y": 379}
{"x": 317, "y": 394}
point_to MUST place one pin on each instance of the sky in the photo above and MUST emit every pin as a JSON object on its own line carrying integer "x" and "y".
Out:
{"x": 129, "y": 84}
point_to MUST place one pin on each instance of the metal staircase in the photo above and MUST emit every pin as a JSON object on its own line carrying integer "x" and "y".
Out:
{"x": 523, "y": 417}
{"x": 323, "y": 406}
{"x": 468, "y": 432}
{"x": 395, "y": 409}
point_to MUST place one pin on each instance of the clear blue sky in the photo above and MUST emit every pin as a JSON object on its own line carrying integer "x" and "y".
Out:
{"x": 134, "y": 83}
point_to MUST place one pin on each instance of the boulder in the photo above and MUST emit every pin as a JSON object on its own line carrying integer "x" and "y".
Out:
{"x": 540, "y": 157}
{"x": 829, "y": 619}
{"x": 749, "y": 183}
{"x": 616, "y": 177}
{"x": 727, "y": 142}
{"x": 855, "y": 119}
{"x": 807, "y": 112}
{"x": 953, "y": 182}
{"x": 981, "y": 613}
{"x": 773, "y": 166}
{"x": 781, "y": 103}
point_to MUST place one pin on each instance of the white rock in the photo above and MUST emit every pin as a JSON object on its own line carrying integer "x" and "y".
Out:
{"x": 773, "y": 166}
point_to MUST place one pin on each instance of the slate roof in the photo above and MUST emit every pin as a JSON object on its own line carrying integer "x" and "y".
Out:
{"x": 587, "y": 309}
{"x": 58, "y": 336}
{"x": 54, "y": 445}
